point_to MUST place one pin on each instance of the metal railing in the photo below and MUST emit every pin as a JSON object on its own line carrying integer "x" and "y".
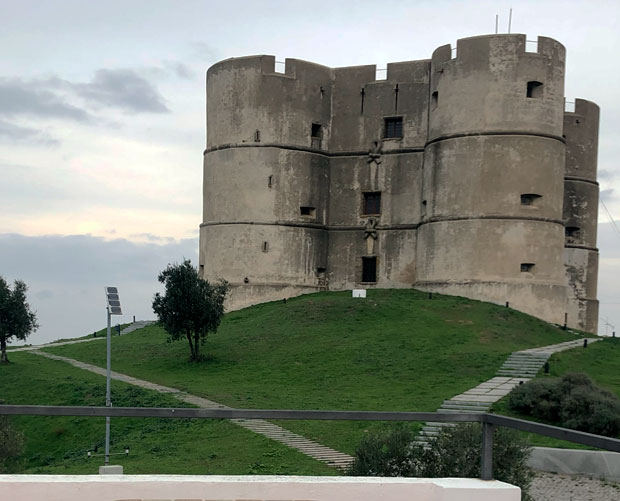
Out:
{"x": 488, "y": 421}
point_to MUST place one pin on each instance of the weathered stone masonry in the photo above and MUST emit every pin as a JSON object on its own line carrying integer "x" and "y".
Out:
{"x": 461, "y": 174}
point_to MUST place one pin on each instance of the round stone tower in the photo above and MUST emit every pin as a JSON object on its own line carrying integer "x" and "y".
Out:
{"x": 266, "y": 178}
{"x": 493, "y": 175}
{"x": 581, "y": 193}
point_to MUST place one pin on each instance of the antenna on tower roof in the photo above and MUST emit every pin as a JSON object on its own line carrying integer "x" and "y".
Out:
{"x": 510, "y": 20}
{"x": 496, "y": 23}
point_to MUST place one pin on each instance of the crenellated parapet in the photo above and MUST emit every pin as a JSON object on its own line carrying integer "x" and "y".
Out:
{"x": 250, "y": 102}
{"x": 492, "y": 84}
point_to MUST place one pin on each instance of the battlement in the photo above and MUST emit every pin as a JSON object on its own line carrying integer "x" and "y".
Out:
{"x": 480, "y": 49}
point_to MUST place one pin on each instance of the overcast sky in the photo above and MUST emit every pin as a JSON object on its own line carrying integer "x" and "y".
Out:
{"x": 102, "y": 123}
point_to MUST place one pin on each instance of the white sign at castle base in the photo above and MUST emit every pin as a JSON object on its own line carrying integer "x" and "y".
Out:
{"x": 359, "y": 292}
{"x": 255, "y": 488}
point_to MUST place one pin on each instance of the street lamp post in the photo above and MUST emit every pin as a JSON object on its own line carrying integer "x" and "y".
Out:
{"x": 113, "y": 308}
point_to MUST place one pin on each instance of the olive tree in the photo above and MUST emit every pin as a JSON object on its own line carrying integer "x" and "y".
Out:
{"x": 16, "y": 319}
{"x": 190, "y": 307}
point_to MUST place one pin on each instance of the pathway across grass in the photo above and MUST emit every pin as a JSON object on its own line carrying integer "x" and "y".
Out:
{"x": 308, "y": 447}
{"x": 58, "y": 445}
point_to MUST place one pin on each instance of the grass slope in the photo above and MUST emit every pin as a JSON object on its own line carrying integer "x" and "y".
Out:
{"x": 396, "y": 350}
{"x": 58, "y": 445}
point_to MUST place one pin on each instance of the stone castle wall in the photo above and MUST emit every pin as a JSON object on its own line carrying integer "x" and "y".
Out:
{"x": 489, "y": 192}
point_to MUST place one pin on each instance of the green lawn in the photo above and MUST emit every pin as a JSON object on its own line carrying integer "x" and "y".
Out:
{"x": 58, "y": 445}
{"x": 600, "y": 361}
{"x": 396, "y": 350}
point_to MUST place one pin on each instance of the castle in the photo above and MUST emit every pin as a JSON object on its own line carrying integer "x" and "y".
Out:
{"x": 462, "y": 175}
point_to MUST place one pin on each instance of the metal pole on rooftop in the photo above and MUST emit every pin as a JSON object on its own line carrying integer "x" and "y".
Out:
{"x": 108, "y": 399}
{"x": 496, "y": 23}
{"x": 510, "y": 20}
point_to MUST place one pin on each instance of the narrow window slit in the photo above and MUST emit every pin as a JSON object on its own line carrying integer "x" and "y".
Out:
{"x": 529, "y": 198}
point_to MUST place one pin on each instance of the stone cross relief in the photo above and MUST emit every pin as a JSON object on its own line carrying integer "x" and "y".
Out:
{"x": 370, "y": 235}
{"x": 374, "y": 160}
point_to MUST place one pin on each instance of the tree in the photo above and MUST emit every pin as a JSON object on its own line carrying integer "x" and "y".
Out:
{"x": 16, "y": 319}
{"x": 190, "y": 307}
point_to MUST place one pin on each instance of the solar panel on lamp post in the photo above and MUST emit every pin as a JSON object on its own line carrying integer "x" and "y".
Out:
{"x": 113, "y": 307}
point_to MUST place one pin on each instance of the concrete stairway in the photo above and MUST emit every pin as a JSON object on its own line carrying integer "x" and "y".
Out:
{"x": 137, "y": 325}
{"x": 523, "y": 365}
{"x": 520, "y": 367}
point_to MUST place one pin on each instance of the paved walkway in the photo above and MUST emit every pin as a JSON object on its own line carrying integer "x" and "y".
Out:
{"x": 313, "y": 449}
{"x": 520, "y": 367}
{"x": 551, "y": 487}
{"x": 130, "y": 328}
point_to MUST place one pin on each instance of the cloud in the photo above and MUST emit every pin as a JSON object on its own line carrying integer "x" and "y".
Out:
{"x": 606, "y": 174}
{"x": 204, "y": 52}
{"x": 608, "y": 195}
{"x": 34, "y": 98}
{"x": 56, "y": 98}
{"x": 16, "y": 133}
{"x": 66, "y": 275}
{"x": 181, "y": 70}
{"x": 151, "y": 238}
{"x": 44, "y": 294}
{"x": 124, "y": 89}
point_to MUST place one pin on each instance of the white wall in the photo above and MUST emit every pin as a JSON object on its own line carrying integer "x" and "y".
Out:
{"x": 242, "y": 488}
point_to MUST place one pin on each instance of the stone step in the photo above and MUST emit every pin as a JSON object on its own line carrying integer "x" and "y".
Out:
{"x": 465, "y": 408}
{"x": 471, "y": 403}
{"x": 524, "y": 364}
{"x": 453, "y": 411}
{"x": 529, "y": 371}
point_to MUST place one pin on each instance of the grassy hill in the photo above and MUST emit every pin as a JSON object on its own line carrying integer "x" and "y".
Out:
{"x": 396, "y": 350}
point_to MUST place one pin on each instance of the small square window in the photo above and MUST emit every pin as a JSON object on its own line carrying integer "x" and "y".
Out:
{"x": 307, "y": 211}
{"x": 572, "y": 234}
{"x": 372, "y": 202}
{"x": 317, "y": 131}
{"x": 369, "y": 269}
{"x": 527, "y": 267}
{"x": 393, "y": 128}
{"x": 534, "y": 89}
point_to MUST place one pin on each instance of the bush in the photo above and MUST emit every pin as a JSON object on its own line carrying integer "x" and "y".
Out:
{"x": 572, "y": 401}
{"x": 455, "y": 452}
{"x": 11, "y": 442}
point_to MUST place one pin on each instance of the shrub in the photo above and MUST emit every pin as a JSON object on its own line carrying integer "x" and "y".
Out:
{"x": 455, "y": 452}
{"x": 11, "y": 442}
{"x": 572, "y": 401}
